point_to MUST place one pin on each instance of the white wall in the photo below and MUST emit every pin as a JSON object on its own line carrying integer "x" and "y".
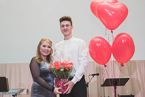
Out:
{"x": 24, "y": 22}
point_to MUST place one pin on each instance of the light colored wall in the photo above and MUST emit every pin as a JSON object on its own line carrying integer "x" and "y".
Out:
{"x": 24, "y": 22}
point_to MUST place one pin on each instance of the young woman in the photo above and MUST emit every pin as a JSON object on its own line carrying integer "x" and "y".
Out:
{"x": 43, "y": 78}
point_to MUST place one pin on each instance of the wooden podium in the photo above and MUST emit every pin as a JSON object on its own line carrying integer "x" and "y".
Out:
{"x": 115, "y": 82}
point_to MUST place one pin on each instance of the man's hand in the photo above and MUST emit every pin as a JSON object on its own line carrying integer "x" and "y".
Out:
{"x": 70, "y": 85}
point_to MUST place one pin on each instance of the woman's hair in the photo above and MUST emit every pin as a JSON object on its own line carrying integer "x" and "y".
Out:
{"x": 38, "y": 54}
{"x": 65, "y": 18}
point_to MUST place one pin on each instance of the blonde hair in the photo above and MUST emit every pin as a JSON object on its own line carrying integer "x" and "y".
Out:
{"x": 38, "y": 54}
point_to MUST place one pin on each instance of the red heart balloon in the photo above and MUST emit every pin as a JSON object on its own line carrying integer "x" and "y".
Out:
{"x": 94, "y": 5}
{"x": 100, "y": 50}
{"x": 112, "y": 14}
{"x": 113, "y": 1}
{"x": 123, "y": 48}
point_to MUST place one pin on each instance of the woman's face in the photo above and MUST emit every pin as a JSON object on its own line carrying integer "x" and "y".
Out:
{"x": 45, "y": 48}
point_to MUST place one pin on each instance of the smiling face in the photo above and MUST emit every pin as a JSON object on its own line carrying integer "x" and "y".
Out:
{"x": 45, "y": 49}
{"x": 66, "y": 28}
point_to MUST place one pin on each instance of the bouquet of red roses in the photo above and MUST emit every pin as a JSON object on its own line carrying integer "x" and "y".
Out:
{"x": 62, "y": 72}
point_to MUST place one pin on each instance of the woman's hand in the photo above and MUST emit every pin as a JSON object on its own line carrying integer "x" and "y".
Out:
{"x": 56, "y": 90}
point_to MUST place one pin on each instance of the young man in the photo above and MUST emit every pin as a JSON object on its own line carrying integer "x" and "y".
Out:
{"x": 74, "y": 50}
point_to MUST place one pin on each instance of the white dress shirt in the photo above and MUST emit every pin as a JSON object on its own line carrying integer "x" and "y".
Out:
{"x": 73, "y": 50}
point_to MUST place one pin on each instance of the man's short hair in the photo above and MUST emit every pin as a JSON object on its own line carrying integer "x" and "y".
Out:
{"x": 65, "y": 18}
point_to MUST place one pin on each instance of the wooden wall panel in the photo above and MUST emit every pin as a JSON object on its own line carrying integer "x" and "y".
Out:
{"x": 19, "y": 77}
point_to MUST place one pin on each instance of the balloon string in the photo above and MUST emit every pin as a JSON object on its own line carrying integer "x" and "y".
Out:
{"x": 112, "y": 62}
{"x": 112, "y": 31}
{"x": 107, "y": 73}
{"x": 113, "y": 68}
{"x": 105, "y": 31}
{"x": 112, "y": 37}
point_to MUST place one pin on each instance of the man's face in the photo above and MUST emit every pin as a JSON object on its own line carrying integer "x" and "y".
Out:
{"x": 66, "y": 28}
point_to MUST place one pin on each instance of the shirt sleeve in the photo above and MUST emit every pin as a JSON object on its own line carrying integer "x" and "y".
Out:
{"x": 83, "y": 60}
{"x": 35, "y": 71}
